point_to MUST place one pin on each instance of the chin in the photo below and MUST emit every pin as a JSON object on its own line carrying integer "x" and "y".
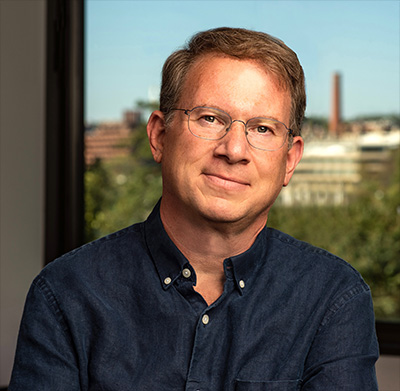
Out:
{"x": 222, "y": 211}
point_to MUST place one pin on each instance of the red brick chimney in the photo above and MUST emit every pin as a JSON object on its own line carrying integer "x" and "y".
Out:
{"x": 335, "y": 118}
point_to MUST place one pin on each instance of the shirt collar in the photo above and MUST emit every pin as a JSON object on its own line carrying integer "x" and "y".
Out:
{"x": 167, "y": 258}
{"x": 245, "y": 266}
{"x": 170, "y": 262}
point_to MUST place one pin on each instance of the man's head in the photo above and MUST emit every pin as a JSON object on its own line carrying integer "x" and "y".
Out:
{"x": 274, "y": 56}
{"x": 231, "y": 180}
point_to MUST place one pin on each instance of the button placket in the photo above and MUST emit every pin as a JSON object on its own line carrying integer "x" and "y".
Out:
{"x": 199, "y": 353}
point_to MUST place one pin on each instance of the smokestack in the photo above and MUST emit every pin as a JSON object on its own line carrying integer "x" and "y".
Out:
{"x": 335, "y": 119}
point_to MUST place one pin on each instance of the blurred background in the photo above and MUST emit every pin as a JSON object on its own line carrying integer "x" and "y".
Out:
{"x": 80, "y": 78}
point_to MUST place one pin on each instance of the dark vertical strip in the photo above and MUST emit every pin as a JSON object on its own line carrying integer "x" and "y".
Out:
{"x": 64, "y": 128}
{"x": 388, "y": 337}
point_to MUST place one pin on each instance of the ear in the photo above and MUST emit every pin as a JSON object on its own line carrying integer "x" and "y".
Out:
{"x": 156, "y": 133}
{"x": 294, "y": 156}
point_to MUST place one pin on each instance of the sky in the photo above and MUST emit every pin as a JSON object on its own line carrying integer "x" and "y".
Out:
{"x": 127, "y": 42}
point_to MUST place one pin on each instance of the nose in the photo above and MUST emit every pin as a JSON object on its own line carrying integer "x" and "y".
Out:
{"x": 234, "y": 146}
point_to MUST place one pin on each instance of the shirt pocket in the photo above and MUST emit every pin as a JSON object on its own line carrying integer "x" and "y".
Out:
{"x": 280, "y": 385}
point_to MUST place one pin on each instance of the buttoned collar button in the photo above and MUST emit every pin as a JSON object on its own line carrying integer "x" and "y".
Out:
{"x": 186, "y": 273}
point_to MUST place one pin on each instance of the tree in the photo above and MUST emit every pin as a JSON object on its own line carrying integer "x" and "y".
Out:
{"x": 122, "y": 191}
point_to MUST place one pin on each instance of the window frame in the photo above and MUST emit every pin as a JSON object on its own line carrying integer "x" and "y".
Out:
{"x": 64, "y": 221}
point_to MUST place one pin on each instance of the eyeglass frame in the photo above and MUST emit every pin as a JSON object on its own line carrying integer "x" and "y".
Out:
{"x": 289, "y": 132}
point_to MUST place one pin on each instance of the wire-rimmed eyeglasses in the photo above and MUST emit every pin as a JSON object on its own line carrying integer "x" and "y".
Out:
{"x": 209, "y": 123}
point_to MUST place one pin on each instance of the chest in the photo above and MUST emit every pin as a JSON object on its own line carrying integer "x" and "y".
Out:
{"x": 176, "y": 339}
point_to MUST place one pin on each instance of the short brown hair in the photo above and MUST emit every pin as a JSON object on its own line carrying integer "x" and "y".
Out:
{"x": 243, "y": 44}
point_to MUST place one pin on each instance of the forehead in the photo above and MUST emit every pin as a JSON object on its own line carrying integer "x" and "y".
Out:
{"x": 230, "y": 83}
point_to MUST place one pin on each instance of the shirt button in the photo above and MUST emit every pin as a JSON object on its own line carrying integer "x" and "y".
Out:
{"x": 186, "y": 273}
{"x": 241, "y": 284}
{"x": 205, "y": 319}
{"x": 167, "y": 281}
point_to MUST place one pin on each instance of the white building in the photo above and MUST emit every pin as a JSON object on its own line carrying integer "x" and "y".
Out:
{"x": 331, "y": 170}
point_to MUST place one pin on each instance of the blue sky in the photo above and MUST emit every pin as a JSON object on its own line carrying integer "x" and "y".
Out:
{"x": 127, "y": 41}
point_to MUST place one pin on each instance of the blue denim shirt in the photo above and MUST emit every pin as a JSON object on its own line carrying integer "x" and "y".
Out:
{"x": 121, "y": 314}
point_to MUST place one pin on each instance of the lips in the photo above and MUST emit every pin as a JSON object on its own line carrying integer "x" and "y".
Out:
{"x": 226, "y": 182}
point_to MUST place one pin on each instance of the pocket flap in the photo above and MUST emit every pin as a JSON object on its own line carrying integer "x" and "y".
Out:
{"x": 284, "y": 385}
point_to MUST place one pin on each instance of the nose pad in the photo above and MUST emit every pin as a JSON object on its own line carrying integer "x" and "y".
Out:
{"x": 234, "y": 146}
{"x": 243, "y": 123}
{"x": 239, "y": 120}
{"x": 236, "y": 120}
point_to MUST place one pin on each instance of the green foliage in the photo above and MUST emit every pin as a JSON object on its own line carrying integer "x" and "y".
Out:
{"x": 121, "y": 191}
{"x": 97, "y": 197}
{"x": 316, "y": 121}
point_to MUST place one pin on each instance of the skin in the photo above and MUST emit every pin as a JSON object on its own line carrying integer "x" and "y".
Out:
{"x": 217, "y": 194}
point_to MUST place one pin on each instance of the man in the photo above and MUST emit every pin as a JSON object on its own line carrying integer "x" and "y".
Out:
{"x": 202, "y": 296}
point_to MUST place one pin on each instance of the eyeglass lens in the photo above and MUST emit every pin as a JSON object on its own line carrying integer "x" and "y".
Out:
{"x": 213, "y": 124}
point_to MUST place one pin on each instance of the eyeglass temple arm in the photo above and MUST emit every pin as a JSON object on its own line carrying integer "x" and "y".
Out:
{"x": 186, "y": 111}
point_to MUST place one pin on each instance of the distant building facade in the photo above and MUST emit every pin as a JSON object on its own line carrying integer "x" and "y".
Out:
{"x": 110, "y": 140}
{"x": 338, "y": 155}
{"x": 332, "y": 168}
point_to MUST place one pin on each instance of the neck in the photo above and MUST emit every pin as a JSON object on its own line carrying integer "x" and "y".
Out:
{"x": 206, "y": 244}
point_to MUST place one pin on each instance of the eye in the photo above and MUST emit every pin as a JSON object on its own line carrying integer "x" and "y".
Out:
{"x": 263, "y": 129}
{"x": 209, "y": 118}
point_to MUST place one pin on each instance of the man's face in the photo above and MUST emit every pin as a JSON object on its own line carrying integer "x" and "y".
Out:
{"x": 226, "y": 180}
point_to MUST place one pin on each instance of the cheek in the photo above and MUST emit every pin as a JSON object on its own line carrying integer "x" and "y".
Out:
{"x": 183, "y": 150}
{"x": 178, "y": 155}
{"x": 272, "y": 172}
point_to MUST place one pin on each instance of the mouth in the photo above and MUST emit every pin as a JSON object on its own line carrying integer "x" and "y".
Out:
{"x": 226, "y": 182}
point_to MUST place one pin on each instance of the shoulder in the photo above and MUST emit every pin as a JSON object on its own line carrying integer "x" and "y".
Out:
{"x": 314, "y": 265}
{"x": 323, "y": 282}
{"x": 106, "y": 255}
{"x": 302, "y": 252}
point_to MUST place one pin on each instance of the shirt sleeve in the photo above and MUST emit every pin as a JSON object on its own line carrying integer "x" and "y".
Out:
{"x": 45, "y": 358}
{"x": 345, "y": 348}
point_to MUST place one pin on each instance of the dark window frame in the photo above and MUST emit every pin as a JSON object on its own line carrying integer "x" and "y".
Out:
{"x": 65, "y": 142}
{"x": 64, "y": 128}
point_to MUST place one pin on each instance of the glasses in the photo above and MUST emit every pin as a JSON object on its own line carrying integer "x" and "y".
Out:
{"x": 209, "y": 123}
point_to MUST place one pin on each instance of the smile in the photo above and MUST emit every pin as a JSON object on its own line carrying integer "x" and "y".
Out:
{"x": 225, "y": 182}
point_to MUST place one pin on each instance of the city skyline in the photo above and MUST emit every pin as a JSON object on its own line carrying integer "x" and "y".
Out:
{"x": 126, "y": 43}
